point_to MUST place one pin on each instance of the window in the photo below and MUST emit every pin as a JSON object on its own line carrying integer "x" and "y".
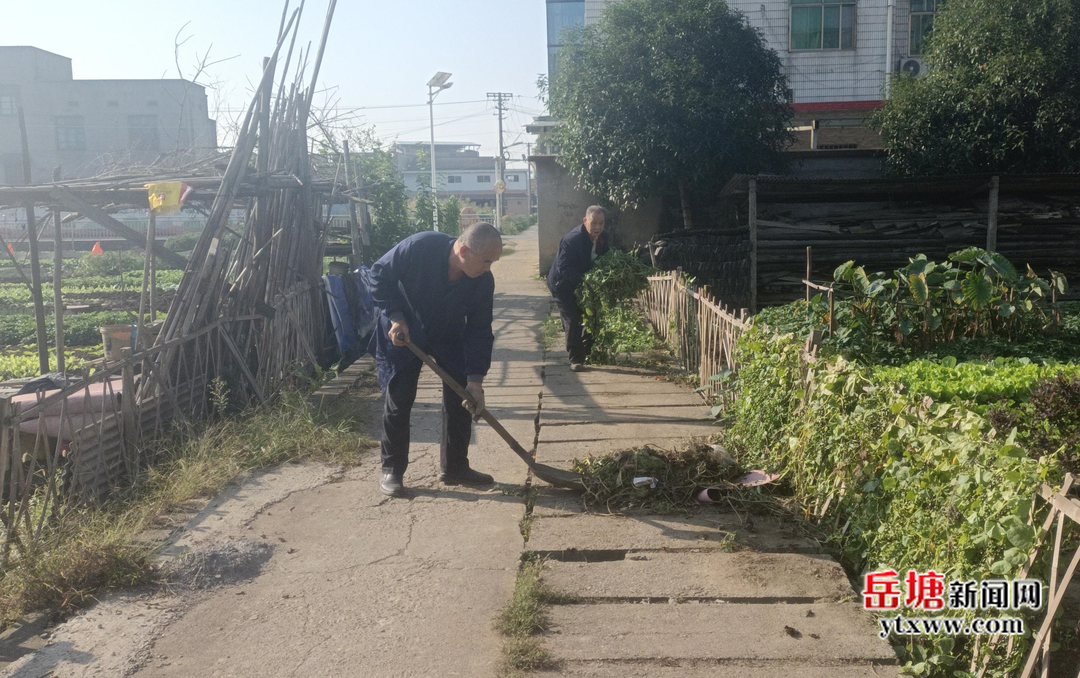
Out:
{"x": 561, "y": 15}
{"x": 513, "y": 178}
{"x": 453, "y": 179}
{"x": 70, "y": 133}
{"x": 8, "y": 105}
{"x": 822, "y": 24}
{"x": 143, "y": 133}
{"x": 483, "y": 178}
{"x": 922, "y": 21}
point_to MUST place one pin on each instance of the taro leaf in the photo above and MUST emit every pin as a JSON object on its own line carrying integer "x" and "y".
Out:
{"x": 1060, "y": 282}
{"x": 933, "y": 321}
{"x": 875, "y": 288}
{"x": 952, "y": 286}
{"x": 1003, "y": 267}
{"x": 906, "y": 326}
{"x": 918, "y": 288}
{"x": 977, "y": 289}
{"x": 861, "y": 282}
{"x": 843, "y": 271}
{"x": 966, "y": 256}
{"x": 1005, "y": 309}
{"x": 1028, "y": 305}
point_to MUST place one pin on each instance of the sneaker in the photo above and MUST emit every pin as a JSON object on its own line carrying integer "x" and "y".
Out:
{"x": 466, "y": 477}
{"x": 577, "y": 367}
{"x": 391, "y": 484}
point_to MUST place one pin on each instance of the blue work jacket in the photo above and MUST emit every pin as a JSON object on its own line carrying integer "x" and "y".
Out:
{"x": 572, "y": 262}
{"x": 448, "y": 320}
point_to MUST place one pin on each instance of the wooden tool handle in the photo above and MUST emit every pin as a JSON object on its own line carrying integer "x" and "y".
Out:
{"x": 467, "y": 397}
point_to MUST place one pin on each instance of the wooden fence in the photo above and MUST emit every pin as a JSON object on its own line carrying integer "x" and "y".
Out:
{"x": 702, "y": 331}
{"x": 64, "y": 447}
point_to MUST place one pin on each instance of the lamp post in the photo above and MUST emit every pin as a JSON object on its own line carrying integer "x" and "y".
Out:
{"x": 437, "y": 84}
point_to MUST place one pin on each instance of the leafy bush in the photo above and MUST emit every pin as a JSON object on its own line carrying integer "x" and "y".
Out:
{"x": 975, "y": 294}
{"x": 182, "y": 242}
{"x": 615, "y": 279}
{"x": 80, "y": 330}
{"x": 25, "y": 364}
{"x": 916, "y": 484}
{"x": 1049, "y": 422}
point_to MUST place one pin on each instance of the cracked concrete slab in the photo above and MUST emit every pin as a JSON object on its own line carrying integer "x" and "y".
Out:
{"x": 838, "y": 633}
{"x": 743, "y": 575}
{"x": 674, "y": 668}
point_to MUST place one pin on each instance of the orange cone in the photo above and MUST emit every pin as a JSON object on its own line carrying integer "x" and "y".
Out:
{"x": 10, "y": 249}
{"x": 97, "y": 249}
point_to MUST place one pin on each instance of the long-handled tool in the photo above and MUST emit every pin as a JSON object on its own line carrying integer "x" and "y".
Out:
{"x": 549, "y": 474}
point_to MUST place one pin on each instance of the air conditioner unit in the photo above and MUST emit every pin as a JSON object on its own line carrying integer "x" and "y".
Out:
{"x": 913, "y": 66}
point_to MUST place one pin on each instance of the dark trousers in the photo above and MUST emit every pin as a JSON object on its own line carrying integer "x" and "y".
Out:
{"x": 456, "y": 422}
{"x": 578, "y": 342}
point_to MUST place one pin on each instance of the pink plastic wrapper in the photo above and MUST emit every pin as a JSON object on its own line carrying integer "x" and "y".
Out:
{"x": 756, "y": 477}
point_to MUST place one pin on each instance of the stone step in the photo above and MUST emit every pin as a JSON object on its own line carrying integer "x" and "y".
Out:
{"x": 559, "y": 537}
{"x": 744, "y": 577}
{"x": 837, "y": 633}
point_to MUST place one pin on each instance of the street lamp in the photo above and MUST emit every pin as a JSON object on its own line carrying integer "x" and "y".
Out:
{"x": 437, "y": 84}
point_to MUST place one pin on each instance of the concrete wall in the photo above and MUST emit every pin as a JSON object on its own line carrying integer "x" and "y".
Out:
{"x": 105, "y": 112}
{"x": 561, "y": 206}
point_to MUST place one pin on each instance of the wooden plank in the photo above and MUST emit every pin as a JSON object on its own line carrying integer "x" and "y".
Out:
{"x": 35, "y": 261}
{"x": 992, "y": 215}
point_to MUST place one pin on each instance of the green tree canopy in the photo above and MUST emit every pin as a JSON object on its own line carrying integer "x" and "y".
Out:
{"x": 1001, "y": 92}
{"x": 666, "y": 96}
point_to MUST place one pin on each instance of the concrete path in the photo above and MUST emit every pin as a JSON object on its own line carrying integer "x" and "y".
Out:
{"x": 342, "y": 581}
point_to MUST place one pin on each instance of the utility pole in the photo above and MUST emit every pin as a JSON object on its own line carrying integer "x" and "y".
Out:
{"x": 500, "y": 99}
{"x": 35, "y": 261}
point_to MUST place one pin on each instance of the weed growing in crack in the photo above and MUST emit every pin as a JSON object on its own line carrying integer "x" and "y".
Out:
{"x": 524, "y": 617}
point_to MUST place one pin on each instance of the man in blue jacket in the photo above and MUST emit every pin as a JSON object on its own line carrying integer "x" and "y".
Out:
{"x": 577, "y": 252}
{"x": 437, "y": 292}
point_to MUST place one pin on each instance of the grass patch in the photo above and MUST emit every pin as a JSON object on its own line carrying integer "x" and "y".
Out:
{"x": 524, "y": 617}
{"x": 551, "y": 332}
{"x": 87, "y": 551}
{"x": 680, "y": 474}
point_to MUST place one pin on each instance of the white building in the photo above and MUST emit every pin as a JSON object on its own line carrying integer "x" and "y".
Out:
{"x": 83, "y": 125}
{"x": 836, "y": 53}
{"x": 463, "y": 172}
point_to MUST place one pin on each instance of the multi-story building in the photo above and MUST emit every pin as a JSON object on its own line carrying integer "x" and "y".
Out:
{"x": 837, "y": 55}
{"x": 461, "y": 171}
{"x": 84, "y": 125}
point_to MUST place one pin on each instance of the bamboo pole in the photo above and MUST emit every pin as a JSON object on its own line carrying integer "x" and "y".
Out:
{"x": 58, "y": 301}
{"x": 354, "y": 225}
{"x": 148, "y": 255}
{"x": 992, "y": 215}
{"x": 753, "y": 245}
{"x": 35, "y": 261}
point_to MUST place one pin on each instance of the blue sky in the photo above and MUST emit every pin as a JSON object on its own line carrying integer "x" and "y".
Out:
{"x": 380, "y": 53}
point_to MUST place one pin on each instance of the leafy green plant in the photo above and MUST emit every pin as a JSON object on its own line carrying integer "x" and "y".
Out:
{"x": 974, "y": 294}
{"x": 910, "y": 482}
{"x": 605, "y": 295}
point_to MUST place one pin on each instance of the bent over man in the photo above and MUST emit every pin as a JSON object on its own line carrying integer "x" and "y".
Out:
{"x": 436, "y": 292}
{"x": 577, "y": 252}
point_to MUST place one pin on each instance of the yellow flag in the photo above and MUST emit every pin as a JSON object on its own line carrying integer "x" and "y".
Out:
{"x": 167, "y": 197}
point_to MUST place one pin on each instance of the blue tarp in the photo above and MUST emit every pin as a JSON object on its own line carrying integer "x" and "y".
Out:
{"x": 352, "y": 312}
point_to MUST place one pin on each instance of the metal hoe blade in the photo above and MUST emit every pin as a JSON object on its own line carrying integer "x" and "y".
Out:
{"x": 549, "y": 474}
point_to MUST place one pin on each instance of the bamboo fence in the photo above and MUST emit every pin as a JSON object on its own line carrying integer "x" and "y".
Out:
{"x": 701, "y": 329}
{"x": 248, "y": 311}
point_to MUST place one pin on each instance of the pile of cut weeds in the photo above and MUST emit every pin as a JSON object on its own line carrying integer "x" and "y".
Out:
{"x": 680, "y": 475}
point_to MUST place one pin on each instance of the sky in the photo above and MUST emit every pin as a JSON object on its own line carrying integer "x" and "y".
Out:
{"x": 379, "y": 57}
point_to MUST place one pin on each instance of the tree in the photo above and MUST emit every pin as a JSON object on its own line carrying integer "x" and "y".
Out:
{"x": 1001, "y": 92}
{"x": 449, "y": 208}
{"x": 667, "y": 97}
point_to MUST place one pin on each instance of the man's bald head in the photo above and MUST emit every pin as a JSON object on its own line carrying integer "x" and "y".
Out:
{"x": 481, "y": 237}
{"x": 477, "y": 248}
